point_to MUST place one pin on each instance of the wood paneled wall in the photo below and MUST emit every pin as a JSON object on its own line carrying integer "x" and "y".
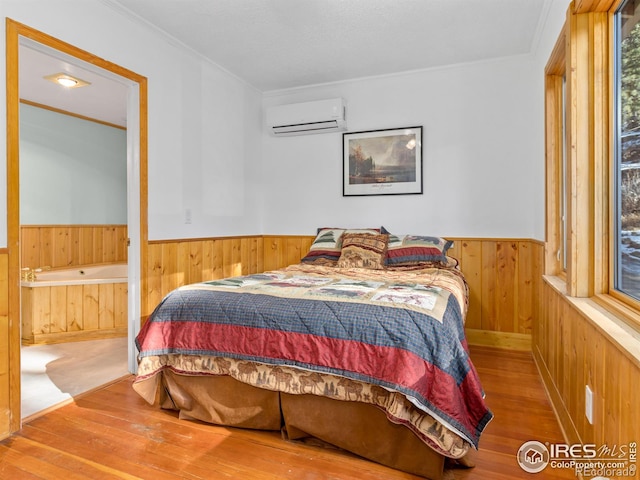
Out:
{"x": 70, "y": 245}
{"x": 571, "y": 352}
{"x": 175, "y": 263}
{"x": 6, "y": 398}
{"x": 502, "y": 276}
{"x": 508, "y": 300}
{"x": 501, "y": 273}
{"x": 65, "y": 313}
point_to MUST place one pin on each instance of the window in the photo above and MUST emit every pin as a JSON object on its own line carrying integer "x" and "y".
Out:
{"x": 555, "y": 133}
{"x": 592, "y": 125}
{"x": 562, "y": 249}
{"x": 627, "y": 149}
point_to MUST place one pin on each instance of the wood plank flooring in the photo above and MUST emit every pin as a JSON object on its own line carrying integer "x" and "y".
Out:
{"x": 112, "y": 433}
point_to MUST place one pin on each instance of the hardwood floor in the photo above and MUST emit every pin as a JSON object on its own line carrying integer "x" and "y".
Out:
{"x": 113, "y": 434}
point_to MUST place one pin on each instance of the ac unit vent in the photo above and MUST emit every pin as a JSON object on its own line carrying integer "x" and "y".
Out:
{"x": 307, "y": 118}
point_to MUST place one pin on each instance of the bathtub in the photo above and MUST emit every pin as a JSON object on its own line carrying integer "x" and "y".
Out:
{"x": 80, "y": 275}
{"x": 78, "y": 303}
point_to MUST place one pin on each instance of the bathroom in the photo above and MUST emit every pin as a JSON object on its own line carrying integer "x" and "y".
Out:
{"x": 73, "y": 207}
{"x": 73, "y": 223}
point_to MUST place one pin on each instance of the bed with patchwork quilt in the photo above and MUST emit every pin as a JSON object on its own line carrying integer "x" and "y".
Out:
{"x": 372, "y": 360}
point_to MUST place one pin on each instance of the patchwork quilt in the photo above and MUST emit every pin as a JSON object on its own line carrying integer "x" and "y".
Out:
{"x": 393, "y": 338}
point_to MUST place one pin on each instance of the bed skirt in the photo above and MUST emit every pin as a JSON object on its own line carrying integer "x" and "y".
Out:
{"x": 362, "y": 429}
{"x": 359, "y": 428}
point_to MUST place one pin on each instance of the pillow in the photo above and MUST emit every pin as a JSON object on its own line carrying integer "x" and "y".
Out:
{"x": 327, "y": 246}
{"x": 408, "y": 250}
{"x": 363, "y": 250}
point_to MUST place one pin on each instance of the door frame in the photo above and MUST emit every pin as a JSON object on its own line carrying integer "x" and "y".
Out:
{"x": 136, "y": 171}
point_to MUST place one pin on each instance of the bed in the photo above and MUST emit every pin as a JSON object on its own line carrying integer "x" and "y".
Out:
{"x": 361, "y": 345}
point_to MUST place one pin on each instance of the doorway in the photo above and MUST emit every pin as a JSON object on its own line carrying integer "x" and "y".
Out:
{"x": 17, "y": 36}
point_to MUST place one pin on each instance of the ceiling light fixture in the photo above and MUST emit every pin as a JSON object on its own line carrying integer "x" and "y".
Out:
{"x": 66, "y": 80}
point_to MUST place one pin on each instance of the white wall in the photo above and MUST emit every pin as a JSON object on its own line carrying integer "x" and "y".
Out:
{"x": 483, "y": 143}
{"x": 554, "y": 20}
{"x": 204, "y": 124}
{"x": 483, "y": 151}
{"x": 478, "y": 151}
{"x": 72, "y": 171}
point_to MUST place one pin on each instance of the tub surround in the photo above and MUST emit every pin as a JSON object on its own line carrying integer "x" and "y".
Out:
{"x": 80, "y": 303}
{"x": 80, "y": 275}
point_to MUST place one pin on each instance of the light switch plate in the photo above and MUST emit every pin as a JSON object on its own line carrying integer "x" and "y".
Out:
{"x": 588, "y": 403}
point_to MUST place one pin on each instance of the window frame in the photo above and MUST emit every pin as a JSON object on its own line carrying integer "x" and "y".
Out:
{"x": 555, "y": 152}
{"x": 584, "y": 53}
{"x": 622, "y": 303}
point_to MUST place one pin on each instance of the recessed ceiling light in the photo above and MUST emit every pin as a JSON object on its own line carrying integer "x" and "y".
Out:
{"x": 66, "y": 80}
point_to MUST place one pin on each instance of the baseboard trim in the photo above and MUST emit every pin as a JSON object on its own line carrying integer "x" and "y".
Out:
{"x": 569, "y": 430}
{"x": 505, "y": 340}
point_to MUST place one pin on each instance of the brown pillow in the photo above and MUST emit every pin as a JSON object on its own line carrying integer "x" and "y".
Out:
{"x": 327, "y": 246}
{"x": 363, "y": 250}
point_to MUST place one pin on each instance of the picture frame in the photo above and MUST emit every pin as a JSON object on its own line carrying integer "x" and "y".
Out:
{"x": 382, "y": 162}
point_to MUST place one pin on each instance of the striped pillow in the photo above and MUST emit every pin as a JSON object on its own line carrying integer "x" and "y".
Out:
{"x": 327, "y": 246}
{"x": 410, "y": 250}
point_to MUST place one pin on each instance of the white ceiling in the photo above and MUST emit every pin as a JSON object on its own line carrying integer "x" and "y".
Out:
{"x": 282, "y": 44}
{"x": 278, "y": 44}
{"x": 103, "y": 99}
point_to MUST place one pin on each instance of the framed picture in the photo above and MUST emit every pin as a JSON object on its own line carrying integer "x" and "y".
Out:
{"x": 382, "y": 162}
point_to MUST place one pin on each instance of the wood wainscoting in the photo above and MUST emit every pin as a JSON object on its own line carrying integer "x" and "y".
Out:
{"x": 573, "y": 348}
{"x": 175, "y": 263}
{"x": 70, "y": 245}
{"x": 503, "y": 276}
{"x": 8, "y": 355}
{"x": 509, "y": 300}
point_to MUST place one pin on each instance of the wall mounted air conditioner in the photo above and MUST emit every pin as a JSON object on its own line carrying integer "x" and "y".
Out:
{"x": 306, "y": 118}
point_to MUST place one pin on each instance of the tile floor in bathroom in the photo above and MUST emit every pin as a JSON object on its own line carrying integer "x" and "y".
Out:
{"x": 53, "y": 374}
